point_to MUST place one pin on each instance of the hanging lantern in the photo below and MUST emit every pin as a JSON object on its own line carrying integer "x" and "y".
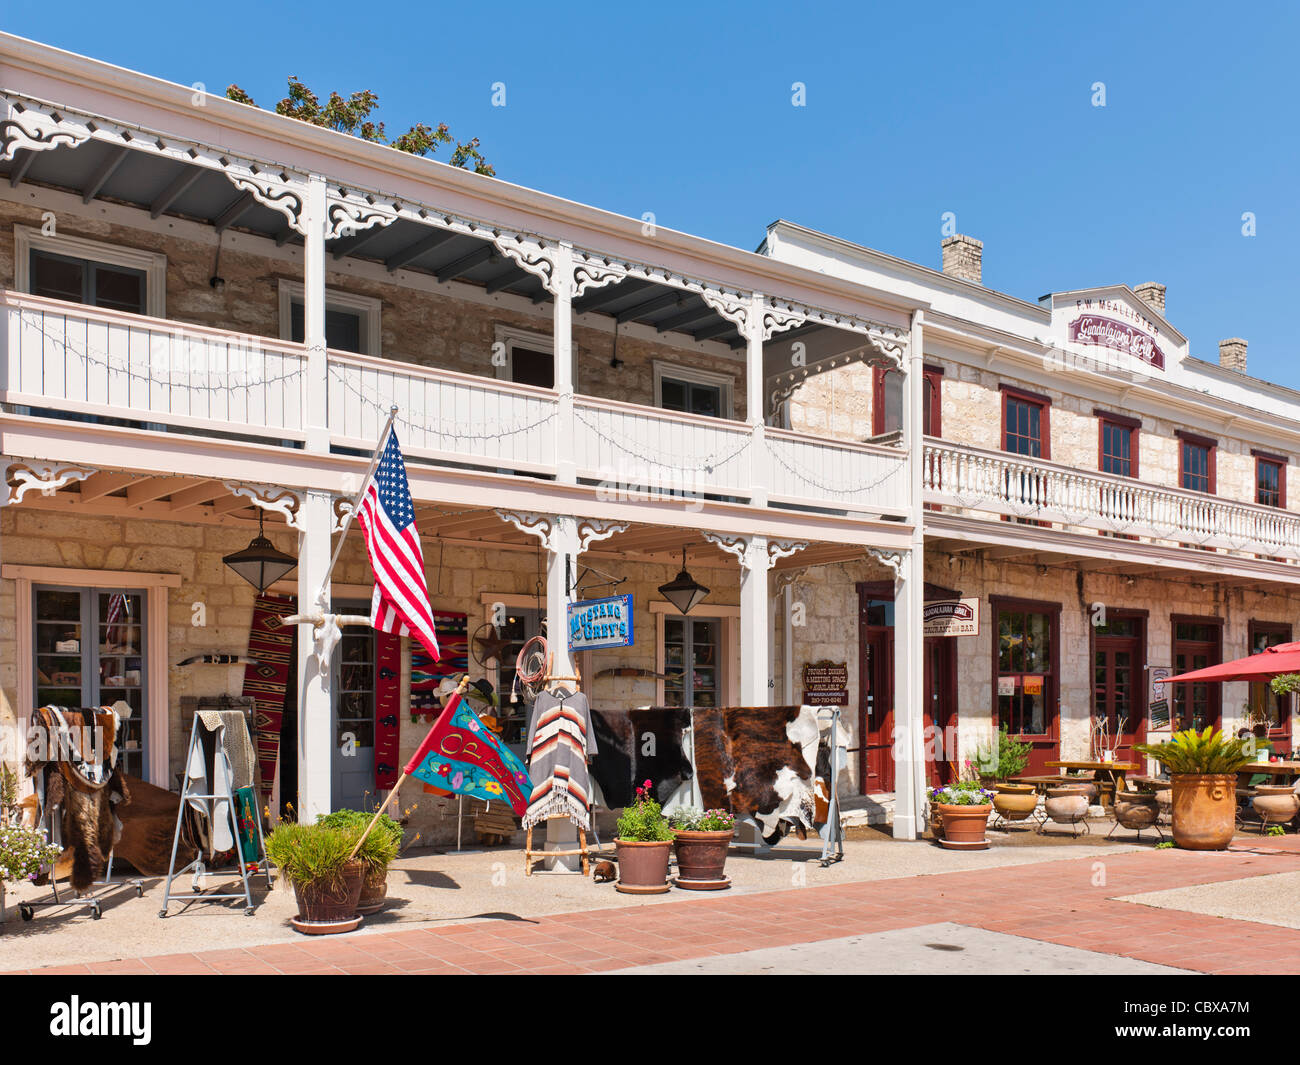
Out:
{"x": 684, "y": 591}
{"x": 260, "y": 563}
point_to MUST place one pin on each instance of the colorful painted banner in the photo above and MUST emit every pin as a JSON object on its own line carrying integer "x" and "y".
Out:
{"x": 270, "y": 645}
{"x": 388, "y": 705}
{"x": 461, "y": 755}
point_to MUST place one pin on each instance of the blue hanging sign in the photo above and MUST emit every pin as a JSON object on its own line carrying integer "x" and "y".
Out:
{"x": 598, "y": 623}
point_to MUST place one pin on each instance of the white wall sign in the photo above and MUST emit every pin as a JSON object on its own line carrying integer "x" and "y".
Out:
{"x": 952, "y": 617}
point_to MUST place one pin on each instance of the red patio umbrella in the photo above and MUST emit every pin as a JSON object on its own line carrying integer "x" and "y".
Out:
{"x": 1284, "y": 658}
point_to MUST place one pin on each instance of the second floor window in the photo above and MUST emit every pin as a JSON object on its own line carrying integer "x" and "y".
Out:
{"x": 64, "y": 277}
{"x": 1118, "y": 447}
{"x": 1024, "y": 425}
{"x": 1196, "y": 463}
{"x": 1270, "y": 482}
{"x": 691, "y": 397}
{"x": 887, "y": 402}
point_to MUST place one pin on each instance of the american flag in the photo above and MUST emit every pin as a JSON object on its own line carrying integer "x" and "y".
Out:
{"x": 401, "y": 600}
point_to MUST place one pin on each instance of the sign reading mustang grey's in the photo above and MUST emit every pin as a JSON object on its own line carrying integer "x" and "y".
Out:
{"x": 826, "y": 683}
{"x": 1118, "y": 336}
{"x": 598, "y": 623}
{"x": 951, "y": 617}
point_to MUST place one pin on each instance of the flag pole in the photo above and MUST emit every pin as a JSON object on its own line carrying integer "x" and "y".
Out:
{"x": 356, "y": 502}
{"x": 460, "y": 690}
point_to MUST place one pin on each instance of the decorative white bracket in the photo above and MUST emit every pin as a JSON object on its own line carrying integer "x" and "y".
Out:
{"x": 45, "y": 477}
{"x": 592, "y": 529}
{"x": 787, "y": 578}
{"x": 38, "y": 131}
{"x": 779, "y": 549}
{"x": 540, "y": 525}
{"x": 349, "y": 212}
{"x": 275, "y": 190}
{"x": 755, "y": 552}
{"x": 892, "y": 559}
{"x": 283, "y": 501}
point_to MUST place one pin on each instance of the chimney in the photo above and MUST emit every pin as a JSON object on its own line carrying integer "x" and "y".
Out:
{"x": 963, "y": 257}
{"x": 1232, "y": 354}
{"x": 1152, "y": 293}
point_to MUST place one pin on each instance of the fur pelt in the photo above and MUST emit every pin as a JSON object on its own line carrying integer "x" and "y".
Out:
{"x": 625, "y": 758}
{"x": 754, "y": 761}
{"x": 148, "y": 819}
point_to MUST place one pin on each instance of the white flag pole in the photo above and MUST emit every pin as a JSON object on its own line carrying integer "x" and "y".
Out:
{"x": 356, "y": 502}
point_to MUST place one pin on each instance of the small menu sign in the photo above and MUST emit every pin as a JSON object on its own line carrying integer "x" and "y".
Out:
{"x": 826, "y": 683}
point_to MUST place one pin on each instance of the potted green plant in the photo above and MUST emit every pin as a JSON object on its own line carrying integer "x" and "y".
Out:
{"x": 964, "y": 808}
{"x": 643, "y": 844}
{"x": 378, "y": 850}
{"x": 316, "y": 860}
{"x": 997, "y": 762}
{"x": 701, "y": 839}
{"x": 1204, "y": 767}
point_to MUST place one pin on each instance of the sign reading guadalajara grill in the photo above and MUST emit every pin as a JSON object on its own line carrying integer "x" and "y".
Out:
{"x": 1107, "y": 331}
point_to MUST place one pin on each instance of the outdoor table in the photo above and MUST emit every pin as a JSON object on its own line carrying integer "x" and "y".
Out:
{"x": 1289, "y": 770}
{"x": 1114, "y": 774}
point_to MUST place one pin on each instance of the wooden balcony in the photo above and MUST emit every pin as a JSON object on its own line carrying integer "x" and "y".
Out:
{"x": 1002, "y": 486}
{"x": 67, "y": 361}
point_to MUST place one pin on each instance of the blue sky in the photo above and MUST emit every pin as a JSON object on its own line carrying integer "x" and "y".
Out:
{"x": 912, "y": 111}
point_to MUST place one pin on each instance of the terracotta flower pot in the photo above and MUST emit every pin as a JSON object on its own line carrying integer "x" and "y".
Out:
{"x": 374, "y": 890}
{"x": 964, "y": 826}
{"x": 327, "y": 902}
{"x": 1136, "y": 809}
{"x": 1015, "y": 802}
{"x": 1204, "y": 810}
{"x": 701, "y": 857}
{"x": 642, "y": 867}
{"x": 1068, "y": 805}
{"x": 1275, "y": 803}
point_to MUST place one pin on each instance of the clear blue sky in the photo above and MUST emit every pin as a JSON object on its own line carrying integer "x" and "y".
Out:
{"x": 685, "y": 110}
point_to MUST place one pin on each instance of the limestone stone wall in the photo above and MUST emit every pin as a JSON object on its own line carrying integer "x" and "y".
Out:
{"x": 458, "y": 579}
{"x": 429, "y": 328}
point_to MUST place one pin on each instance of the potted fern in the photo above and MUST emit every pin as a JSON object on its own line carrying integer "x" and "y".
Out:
{"x": 1204, "y": 767}
{"x": 701, "y": 839}
{"x": 378, "y": 850}
{"x": 317, "y": 861}
{"x": 643, "y": 844}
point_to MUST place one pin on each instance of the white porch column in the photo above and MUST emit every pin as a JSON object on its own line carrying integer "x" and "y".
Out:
{"x": 755, "y": 665}
{"x": 562, "y": 328}
{"x": 909, "y": 600}
{"x": 758, "y": 467}
{"x": 313, "y": 315}
{"x": 561, "y": 556}
{"x": 315, "y": 714}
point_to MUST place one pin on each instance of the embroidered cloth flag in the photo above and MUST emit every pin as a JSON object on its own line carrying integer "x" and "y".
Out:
{"x": 461, "y": 754}
{"x": 401, "y": 599}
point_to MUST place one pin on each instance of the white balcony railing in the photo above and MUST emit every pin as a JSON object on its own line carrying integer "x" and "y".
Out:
{"x": 88, "y": 360}
{"x": 68, "y": 358}
{"x": 1005, "y": 485}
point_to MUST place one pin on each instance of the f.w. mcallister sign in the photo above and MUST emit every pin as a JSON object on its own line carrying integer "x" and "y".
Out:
{"x": 1118, "y": 336}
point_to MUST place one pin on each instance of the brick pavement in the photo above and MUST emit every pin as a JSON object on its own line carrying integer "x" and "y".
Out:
{"x": 1059, "y": 901}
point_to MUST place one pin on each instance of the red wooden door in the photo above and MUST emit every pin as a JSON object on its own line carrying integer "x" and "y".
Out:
{"x": 941, "y": 710}
{"x": 1198, "y": 643}
{"x": 876, "y": 710}
{"x": 1026, "y": 668}
{"x": 1118, "y": 688}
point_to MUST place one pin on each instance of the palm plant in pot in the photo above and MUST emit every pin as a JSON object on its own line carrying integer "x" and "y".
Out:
{"x": 997, "y": 763}
{"x": 378, "y": 850}
{"x": 701, "y": 839}
{"x": 317, "y": 860}
{"x": 643, "y": 844}
{"x": 1204, "y": 767}
{"x": 964, "y": 808}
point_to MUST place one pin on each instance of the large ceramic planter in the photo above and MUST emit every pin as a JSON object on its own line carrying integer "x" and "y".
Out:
{"x": 1090, "y": 787}
{"x": 374, "y": 890}
{"x": 642, "y": 867}
{"x": 330, "y": 906}
{"x": 701, "y": 857}
{"x": 1015, "y": 802}
{"x": 964, "y": 826}
{"x": 1275, "y": 803}
{"x": 1204, "y": 810}
{"x": 1068, "y": 805}
{"x": 1136, "y": 809}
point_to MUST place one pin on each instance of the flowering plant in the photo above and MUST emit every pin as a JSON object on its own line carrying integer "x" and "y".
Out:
{"x": 963, "y": 793}
{"x": 23, "y": 852}
{"x": 690, "y": 819}
{"x": 644, "y": 820}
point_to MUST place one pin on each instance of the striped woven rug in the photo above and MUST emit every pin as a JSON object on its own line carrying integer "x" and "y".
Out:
{"x": 270, "y": 644}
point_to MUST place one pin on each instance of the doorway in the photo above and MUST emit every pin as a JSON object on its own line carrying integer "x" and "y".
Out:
{"x": 941, "y": 710}
{"x": 1026, "y": 676}
{"x": 1119, "y": 681}
{"x": 1198, "y": 644}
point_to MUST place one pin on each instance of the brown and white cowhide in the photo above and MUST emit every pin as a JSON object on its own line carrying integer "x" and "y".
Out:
{"x": 759, "y": 762}
{"x": 633, "y": 746}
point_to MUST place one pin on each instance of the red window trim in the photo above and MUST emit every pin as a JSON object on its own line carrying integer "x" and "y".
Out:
{"x": 1212, "y": 447}
{"x": 932, "y": 375}
{"x": 1216, "y": 690}
{"x": 1044, "y": 418}
{"x": 1133, "y": 425}
{"x": 1280, "y": 463}
{"x": 1270, "y": 456}
{"x": 1283, "y": 628}
{"x": 999, "y": 603}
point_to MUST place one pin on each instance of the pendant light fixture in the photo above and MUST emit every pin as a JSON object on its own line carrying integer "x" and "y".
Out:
{"x": 260, "y": 563}
{"x": 685, "y": 591}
